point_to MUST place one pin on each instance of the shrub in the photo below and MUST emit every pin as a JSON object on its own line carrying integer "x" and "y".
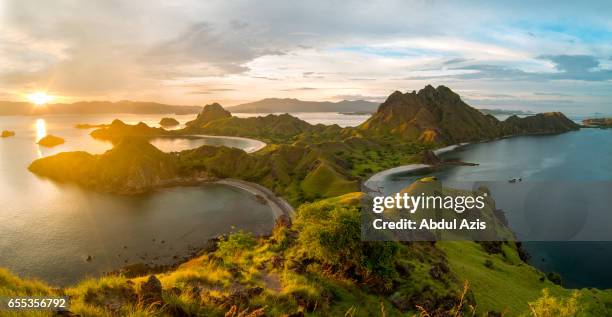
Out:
{"x": 549, "y": 306}
{"x": 235, "y": 243}
{"x": 330, "y": 233}
{"x": 554, "y": 277}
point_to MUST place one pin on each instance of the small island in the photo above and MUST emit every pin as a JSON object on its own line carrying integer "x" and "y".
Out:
{"x": 604, "y": 123}
{"x": 168, "y": 122}
{"x": 50, "y": 141}
{"x": 7, "y": 133}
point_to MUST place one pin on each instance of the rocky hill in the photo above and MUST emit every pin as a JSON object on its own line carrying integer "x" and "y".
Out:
{"x": 439, "y": 115}
{"x": 210, "y": 113}
{"x": 284, "y": 128}
{"x": 132, "y": 166}
{"x": 541, "y": 123}
{"x": 118, "y": 130}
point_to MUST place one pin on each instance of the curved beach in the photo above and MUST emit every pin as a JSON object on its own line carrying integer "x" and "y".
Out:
{"x": 449, "y": 148}
{"x": 374, "y": 181}
{"x": 278, "y": 205}
{"x": 256, "y": 144}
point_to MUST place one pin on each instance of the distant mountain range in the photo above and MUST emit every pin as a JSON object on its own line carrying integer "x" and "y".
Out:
{"x": 10, "y": 108}
{"x": 270, "y": 105}
{"x": 504, "y": 112}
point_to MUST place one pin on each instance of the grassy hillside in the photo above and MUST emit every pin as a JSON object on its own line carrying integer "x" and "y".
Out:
{"x": 132, "y": 166}
{"x": 320, "y": 267}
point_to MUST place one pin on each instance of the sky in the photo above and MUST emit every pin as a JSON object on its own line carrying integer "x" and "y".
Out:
{"x": 523, "y": 55}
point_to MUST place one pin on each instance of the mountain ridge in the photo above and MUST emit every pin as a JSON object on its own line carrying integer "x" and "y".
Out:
{"x": 272, "y": 105}
{"x": 439, "y": 115}
{"x": 8, "y": 108}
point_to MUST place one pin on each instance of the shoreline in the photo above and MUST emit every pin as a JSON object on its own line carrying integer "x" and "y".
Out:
{"x": 373, "y": 182}
{"x": 449, "y": 148}
{"x": 280, "y": 207}
{"x": 258, "y": 144}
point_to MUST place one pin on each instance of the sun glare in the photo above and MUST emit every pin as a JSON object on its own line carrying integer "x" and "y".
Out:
{"x": 39, "y": 98}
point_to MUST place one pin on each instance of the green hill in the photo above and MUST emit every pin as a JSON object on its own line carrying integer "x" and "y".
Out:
{"x": 132, "y": 166}
{"x": 438, "y": 115}
{"x": 118, "y": 130}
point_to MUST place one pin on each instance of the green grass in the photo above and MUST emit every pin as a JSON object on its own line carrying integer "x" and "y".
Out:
{"x": 510, "y": 285}
{"x": 324, "y": 181}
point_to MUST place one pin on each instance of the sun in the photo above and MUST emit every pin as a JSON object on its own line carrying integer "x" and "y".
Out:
{"x": 39, "y": 98}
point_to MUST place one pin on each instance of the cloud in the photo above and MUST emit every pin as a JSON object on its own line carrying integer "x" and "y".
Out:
{"x": 209, "y": 91}
{"x": 360, "y": 97}
{"x": 142, "y": 49}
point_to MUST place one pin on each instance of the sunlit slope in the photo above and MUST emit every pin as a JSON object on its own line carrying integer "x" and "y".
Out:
{"x": 132, "y": 166}
{"x": 439, "y": 115}
{"x": 320, "y": 266}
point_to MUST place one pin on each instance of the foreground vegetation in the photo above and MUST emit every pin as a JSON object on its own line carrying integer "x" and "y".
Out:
{"x": 318, "y": 266}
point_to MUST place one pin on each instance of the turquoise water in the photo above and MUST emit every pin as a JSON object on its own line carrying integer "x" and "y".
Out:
{"x": 48, "y": 229}
{"x": 579, "y": 160}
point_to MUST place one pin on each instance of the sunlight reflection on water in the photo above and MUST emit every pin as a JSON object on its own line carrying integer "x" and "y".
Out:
{"x": 41, "y": 132}
{"x": 41, "y": 129}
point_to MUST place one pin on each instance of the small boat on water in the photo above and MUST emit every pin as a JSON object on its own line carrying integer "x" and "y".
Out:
{"x": 514, "y": 180}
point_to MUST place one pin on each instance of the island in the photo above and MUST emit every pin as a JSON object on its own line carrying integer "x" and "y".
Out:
{"x": 315, "y": 262}
{"x": 604, "y": 123}
{"x": 50, "y": 141}
{"x": 7, "y": 134}
{"x": 168, "y": 122}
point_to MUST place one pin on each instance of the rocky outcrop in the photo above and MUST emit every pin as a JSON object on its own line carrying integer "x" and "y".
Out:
{"x": 151, "y": 292}
{"x": 168, "y": 122}
{"x": 438, "y": 115}
{"x": 431, "y": 115}
{"x": 210, "y": 113}
{"x": 50, "y": 141}
{"x": 7, "y": 134}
